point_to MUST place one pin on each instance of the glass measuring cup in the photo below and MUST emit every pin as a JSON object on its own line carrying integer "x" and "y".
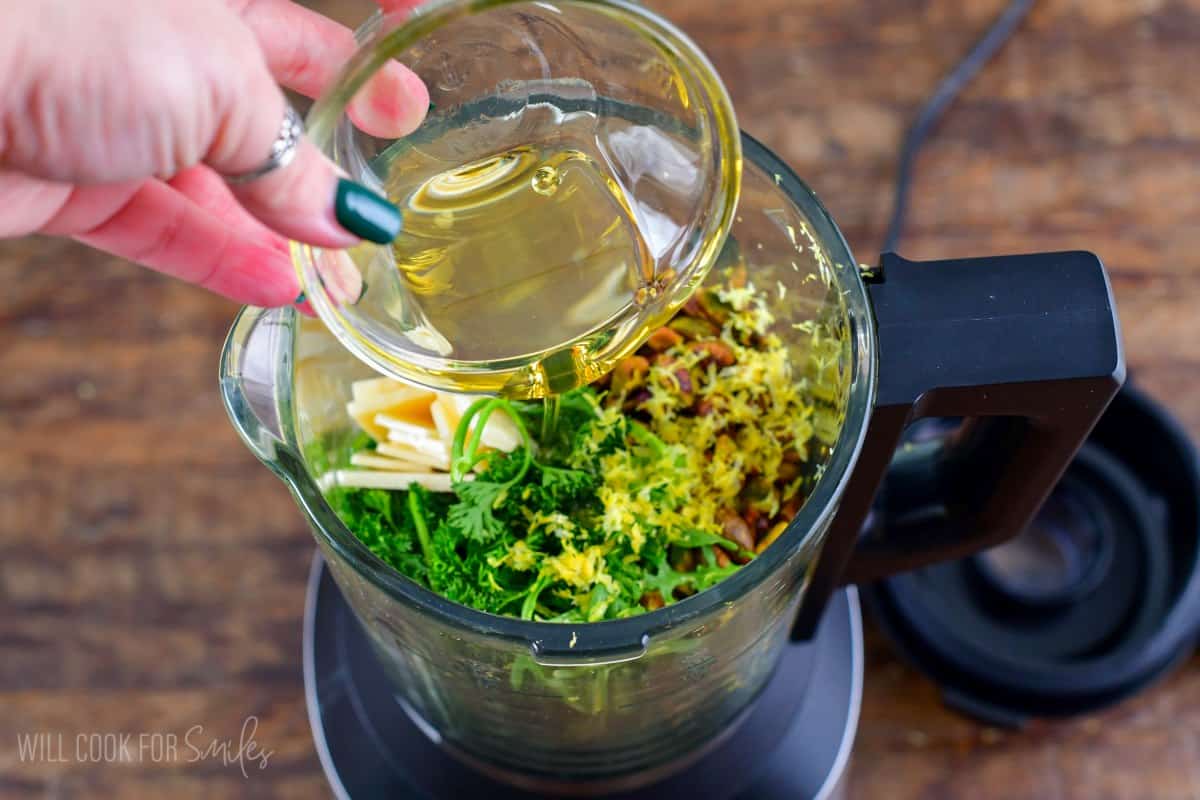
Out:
{"x": 572, "y": 184}
{"x": 1027, "y": 346}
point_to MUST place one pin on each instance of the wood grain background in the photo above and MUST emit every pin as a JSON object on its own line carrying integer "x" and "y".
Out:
{"x": 152, "y": 573}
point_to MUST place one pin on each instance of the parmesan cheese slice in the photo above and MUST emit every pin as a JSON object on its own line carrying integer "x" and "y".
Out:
{"x": 367, "y": 459}
{"x": 441, "y": 420}
{"x": 366, "y": 421}
{"x": 397, "y": 401}
{"x": 407, "y": 429}
{"x": 422, "y": 443}
{"x": 371, "y": 479}
{"x": 365, "y": 391}
{"x": 500, "y": 432}
{"x": 327, "y": 481}
{"x": 437, "y": 460}
{"x": 397, "y": 395}
{"x": 447, "y": 433}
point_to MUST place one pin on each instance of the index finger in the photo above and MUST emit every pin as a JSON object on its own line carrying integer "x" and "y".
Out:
{"x": 159, "y": 227}
{"x": 305, "y": 51}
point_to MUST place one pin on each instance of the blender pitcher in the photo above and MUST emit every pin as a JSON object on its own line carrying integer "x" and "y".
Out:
{"x": 1025, "y": 348}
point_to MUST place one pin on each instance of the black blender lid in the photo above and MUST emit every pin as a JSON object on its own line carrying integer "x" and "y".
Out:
{"x": 1097, "y": 599}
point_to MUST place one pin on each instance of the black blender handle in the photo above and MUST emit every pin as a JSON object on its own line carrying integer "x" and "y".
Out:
{"x": 1027, "y": 350}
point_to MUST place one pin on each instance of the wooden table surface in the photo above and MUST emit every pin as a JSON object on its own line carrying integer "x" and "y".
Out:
{"x": 152, "y": 573}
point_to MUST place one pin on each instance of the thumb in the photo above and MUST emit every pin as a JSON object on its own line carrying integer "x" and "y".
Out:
{"x": 306, "y": 199}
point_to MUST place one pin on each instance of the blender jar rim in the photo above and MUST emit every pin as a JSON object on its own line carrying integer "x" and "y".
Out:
{"x": 609, "y": 641}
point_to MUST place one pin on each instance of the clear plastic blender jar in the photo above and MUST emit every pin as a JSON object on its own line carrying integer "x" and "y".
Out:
{"x": 1026, "y": 348}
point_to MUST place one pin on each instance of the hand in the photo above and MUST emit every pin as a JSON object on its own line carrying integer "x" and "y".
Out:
{"x": 119, "y": 116}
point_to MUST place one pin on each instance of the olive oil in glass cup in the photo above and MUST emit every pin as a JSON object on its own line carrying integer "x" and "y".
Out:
{"x": 572, "y": 184}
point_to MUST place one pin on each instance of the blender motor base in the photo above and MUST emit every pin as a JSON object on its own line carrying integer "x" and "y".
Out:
{"x": 794, "y": 743}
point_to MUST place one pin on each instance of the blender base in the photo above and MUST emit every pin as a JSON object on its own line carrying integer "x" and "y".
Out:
{"x": 792, "y": 744}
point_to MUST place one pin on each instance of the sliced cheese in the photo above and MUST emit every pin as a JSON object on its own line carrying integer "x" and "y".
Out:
{"x": 430, "y": 445}
{"x": 368, "y": 459}
{"x": 393, "y": 411}
{"x": 398, "y": 401}
{"x": 370, "y": 389}
{"x": 366, "y": 421}
{"x": 500, "y": 432}
{"x": 408, "y": 429}
{"x": 414, "y": 410}
{"x": 327, "y": 481}
{"x": 376, "y": 397}
{"x": 441, "y": 420}
{"x": 439, "y": 460}
{"x": 371, "y": 479}
{"x": 446, "y": 429}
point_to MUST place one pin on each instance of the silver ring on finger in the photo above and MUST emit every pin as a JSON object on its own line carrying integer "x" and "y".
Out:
{"x": 283, "y": 149}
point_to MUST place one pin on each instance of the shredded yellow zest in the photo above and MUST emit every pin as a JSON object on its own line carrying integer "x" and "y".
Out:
{"x": 760, "y": 413}
{"x": 556, "y": 524}
{"x": 582, "y": 569}
{"x": 520, "y": 557}
{"x": 759, "y": 410}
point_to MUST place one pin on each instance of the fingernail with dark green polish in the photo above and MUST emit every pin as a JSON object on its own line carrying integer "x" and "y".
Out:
{"x": 365, "y": 214}
{"x": 299, "y": 299}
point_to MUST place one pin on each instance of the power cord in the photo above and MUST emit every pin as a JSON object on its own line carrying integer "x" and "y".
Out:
{"x": 935, "y": 107}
